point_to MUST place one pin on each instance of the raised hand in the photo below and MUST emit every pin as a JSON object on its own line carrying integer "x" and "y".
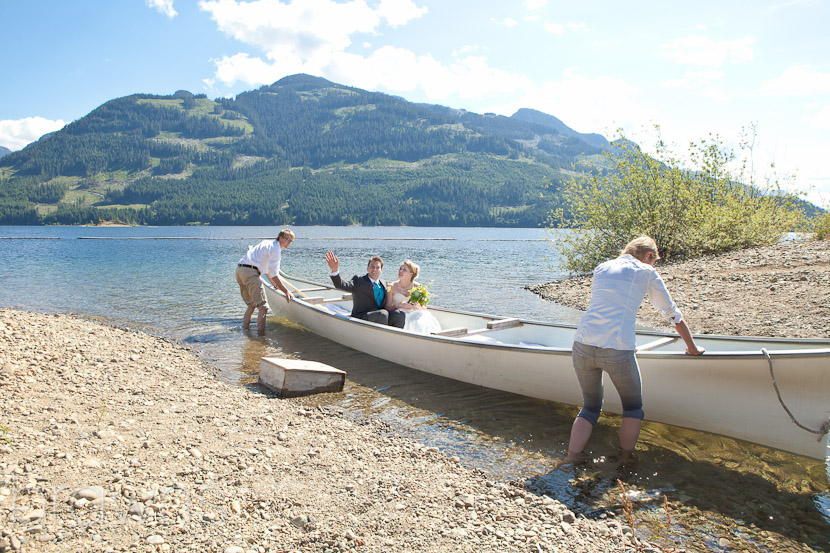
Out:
{"x": 333, "y": 262}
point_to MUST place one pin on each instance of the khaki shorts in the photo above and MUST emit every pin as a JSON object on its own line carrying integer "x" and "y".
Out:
{"x": 253, "y": 292}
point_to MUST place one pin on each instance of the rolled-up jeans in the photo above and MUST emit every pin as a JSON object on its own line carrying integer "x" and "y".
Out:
{"x": 621, "y": 365}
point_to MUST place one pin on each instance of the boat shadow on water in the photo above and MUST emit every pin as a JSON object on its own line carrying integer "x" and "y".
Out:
{"x": 751, "y": 489}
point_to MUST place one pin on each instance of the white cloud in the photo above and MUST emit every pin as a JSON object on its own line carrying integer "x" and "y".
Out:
{"x": 163, "y": 6}
{"x": 307, "y": 28}
{"x": 586, "y": 104}
{"x": 798, "y": 80}
{"x": 400, "y": 12}
{"x": 703, "y": 51}
{"x": 510, "y": 22}
{"x": 312, "y": 36}
{"x": 703, "y": 81}
{"x": 535, "y": 4}
{"x": 820, "y": 120}
{"x": 555, "y": 28}
{"x": 559, "y": 28}
{"x": 252, "y": 71}
{"x": 17, "y": 133}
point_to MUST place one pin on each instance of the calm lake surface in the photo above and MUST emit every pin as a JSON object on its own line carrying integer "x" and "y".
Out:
{"x": 179, "y": 282}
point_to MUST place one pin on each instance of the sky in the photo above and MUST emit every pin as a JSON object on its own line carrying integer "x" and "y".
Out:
{"x": 694, "y": 69}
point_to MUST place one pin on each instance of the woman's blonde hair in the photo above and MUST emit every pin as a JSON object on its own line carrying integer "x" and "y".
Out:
{"x": 413, "y": 268}
{"x": 640, "y": 246}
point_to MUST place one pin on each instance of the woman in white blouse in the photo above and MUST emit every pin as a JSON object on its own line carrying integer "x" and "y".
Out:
{"x": 604, "y": 340}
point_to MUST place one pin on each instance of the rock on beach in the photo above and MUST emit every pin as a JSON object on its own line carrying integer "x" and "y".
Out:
{"x": 775, "y": 291}
{"x": 188, "y": 463}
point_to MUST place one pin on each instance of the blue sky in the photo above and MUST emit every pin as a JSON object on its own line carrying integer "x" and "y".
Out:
{"x": 694, "y": 68}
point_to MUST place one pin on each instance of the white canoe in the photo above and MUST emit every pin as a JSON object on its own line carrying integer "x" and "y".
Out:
{"x": 730, "y": 390}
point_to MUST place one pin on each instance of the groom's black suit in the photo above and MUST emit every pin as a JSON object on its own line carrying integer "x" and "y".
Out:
{"x": 364, "y": 304}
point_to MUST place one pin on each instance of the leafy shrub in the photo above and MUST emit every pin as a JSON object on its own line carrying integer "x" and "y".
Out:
{"x": 821, "y": 226}
{"x": 689, "y": 212}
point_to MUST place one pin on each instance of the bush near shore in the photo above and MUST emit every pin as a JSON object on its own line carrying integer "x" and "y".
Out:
{"x": 689, "y": 212}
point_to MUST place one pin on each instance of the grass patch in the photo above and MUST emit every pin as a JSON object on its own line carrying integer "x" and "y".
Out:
{"x": 383, "y": 163}
{"x": 81, "y": 197}
{"x": 244, "y": 161}
{"x": 71, "y": 182}
{"x": 120, "y": 206}
{"x": 173, "y": 103}
{"x": 167, "y": 135}
{"x": 502, "y": 210}
{"x": 45, "y": 209}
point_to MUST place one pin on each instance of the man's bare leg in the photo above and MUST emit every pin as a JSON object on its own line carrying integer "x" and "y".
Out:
{"x": 246, "y": 319}
{"x": 260, "y": 320}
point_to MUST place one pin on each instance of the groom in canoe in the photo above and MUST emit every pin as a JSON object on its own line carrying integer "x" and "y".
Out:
{"x": 368, "y": 293}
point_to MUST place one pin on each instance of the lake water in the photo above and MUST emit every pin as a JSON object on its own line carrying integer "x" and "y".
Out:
{"x": 179, "y": 282}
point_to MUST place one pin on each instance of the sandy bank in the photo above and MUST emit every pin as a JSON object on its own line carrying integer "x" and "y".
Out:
{"x": 114, "y": 440}
{"x": 781, "y": 290}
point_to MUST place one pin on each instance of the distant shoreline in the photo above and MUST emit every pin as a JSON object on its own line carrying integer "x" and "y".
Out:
{"x": 109, "y": 224}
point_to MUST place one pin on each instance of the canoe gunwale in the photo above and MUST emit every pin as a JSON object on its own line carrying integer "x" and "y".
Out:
{"x": 650, "y": 354}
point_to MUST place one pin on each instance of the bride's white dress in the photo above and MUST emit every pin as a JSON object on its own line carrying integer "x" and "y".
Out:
{"x": 418, "y": 320}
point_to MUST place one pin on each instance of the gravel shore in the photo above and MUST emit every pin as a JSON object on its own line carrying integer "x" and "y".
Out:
{"x": 114, "y": 440}
{"x": 781, "y": 291}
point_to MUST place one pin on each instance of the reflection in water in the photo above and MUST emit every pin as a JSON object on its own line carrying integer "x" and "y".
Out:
{"x": 744, "y": 492}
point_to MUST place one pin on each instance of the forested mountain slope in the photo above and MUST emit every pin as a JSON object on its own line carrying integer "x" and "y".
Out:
{"x": 301, "y": 151}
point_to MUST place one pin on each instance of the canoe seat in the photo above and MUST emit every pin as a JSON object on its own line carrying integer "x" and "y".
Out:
{"x": 503, "y": 323}
{"x": 449, "y": 332}
{"x": 499, "y": 324}
{"x": 314, "y": 289}
{"x": 316, "y": 300}
{"x": 657, "y": 344}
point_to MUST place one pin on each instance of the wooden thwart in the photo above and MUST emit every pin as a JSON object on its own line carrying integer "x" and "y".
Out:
{"x": 503, "y": 323}
{"x": 499, "y": 324}
{"x": 657, "y": 344}
{"x": 296, "y": 377}
{"x": 316, "y": 300}
{"x": 450, "y": 332}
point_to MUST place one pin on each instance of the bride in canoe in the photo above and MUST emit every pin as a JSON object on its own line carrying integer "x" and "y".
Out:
{"x": 418, "y": 318}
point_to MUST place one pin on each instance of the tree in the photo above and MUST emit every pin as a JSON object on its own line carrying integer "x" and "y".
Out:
{"x": 688, "y": 211}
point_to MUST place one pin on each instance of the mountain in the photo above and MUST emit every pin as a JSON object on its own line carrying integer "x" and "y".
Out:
{"x": 303, "y": 150}
{"x": 545, "y": 120}
{"x": 4, "y": 151}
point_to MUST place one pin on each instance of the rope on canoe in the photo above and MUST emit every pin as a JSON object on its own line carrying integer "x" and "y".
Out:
{"x": 824, "y": 427}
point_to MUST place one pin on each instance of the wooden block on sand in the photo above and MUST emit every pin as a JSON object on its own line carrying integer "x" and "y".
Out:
{"x": 295, "y": 377}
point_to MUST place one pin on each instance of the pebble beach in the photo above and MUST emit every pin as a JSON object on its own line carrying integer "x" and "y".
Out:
{"x": 116, "y": 440}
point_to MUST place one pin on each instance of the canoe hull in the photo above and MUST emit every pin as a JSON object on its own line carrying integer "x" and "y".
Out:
{"x": 727, "y": 391}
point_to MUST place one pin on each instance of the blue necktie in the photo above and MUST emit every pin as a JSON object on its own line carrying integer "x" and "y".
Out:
{"x": 378, "y": 293}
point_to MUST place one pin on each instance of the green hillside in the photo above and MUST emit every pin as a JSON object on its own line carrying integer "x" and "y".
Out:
{"x": 301, "y": 151}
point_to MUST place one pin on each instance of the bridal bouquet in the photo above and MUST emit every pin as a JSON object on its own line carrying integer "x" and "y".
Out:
{"x": 419, "y": 295}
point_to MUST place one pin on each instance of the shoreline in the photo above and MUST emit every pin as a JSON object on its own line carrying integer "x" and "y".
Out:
{"x": 772, "y": 291}
{"x": 116, "y": 440}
